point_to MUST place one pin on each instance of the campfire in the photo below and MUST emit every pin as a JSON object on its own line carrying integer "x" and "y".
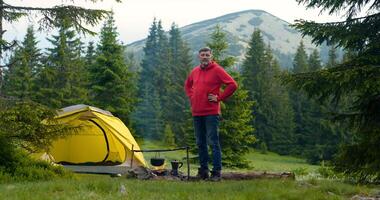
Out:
{"x": 158, "y": 172}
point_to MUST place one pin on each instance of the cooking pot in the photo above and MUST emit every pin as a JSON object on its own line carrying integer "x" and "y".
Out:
{"x": 157, "y": 161}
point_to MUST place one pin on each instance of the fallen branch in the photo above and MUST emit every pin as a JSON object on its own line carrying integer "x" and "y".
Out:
{"x": 257, "y": 175}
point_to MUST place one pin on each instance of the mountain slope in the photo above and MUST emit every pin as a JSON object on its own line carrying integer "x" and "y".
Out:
{"x": 239, "y": 26}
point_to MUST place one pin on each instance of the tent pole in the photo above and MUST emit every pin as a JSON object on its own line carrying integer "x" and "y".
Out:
{"x": 133, "y": 152}
{"x": 188, "y": 163}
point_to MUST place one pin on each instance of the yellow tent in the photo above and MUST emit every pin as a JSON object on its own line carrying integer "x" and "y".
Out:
{"x": 101, "y": 139}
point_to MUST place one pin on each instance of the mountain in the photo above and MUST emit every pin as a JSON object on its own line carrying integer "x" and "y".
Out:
{"x": 239, "y": 26}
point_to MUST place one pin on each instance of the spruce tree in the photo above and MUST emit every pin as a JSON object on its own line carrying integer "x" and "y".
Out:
{"x": 178, "y": 107}
{"x": 90, "y": 57}
{"x": 348, "y": 55}
{"x": 76, "y": 16}
{"x": 276, "y": 107}
{"x": 148, "y": 118}
{"x": 273, "y": 114}
{"x": 252, "y": 64}
{"x": 236, "y": 131}
{"x": 61, "y": 81}
{"x": 356, "y": 80}
{"x": 169, "y": 136}
{"x": 327, "y": 135}
{"x": 111, "y": 82}
{"x": 314, "y": 61}
{"x": 332, "y": 59}
{"x": 300, "y": 63}
{"x": 26, "y": 60}
{"x": 161, "y": 69}
{"x": 302, "y": 107}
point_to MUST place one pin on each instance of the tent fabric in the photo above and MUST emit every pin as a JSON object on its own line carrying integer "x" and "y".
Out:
{"x": 98, "y": 138}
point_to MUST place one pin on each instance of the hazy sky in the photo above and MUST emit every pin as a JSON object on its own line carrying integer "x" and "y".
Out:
{"x": 134, "y": 17}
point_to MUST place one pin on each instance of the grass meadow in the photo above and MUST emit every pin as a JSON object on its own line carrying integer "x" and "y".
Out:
{"x": 90, "y": 186}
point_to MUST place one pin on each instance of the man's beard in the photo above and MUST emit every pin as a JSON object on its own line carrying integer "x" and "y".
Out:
{"x": 205, "y": 62}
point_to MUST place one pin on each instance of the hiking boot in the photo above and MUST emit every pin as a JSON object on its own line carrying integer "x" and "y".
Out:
{"x": 203, "y": 173}
{"x": 215, "y": 176}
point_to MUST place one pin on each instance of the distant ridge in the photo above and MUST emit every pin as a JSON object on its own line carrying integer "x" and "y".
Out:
{"x": 239, "y": 26}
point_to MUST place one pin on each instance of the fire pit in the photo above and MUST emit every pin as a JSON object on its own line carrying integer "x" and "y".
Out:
{"x": 158, "y": 162}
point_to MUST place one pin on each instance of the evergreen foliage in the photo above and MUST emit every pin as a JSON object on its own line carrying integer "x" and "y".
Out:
{"x": 21, "y": 125}
{"x": 169, "y": 136}
{"x": 356, "y": 81}
{"x": 111, "y": 82}
{"x": 236, "y": 131}
{"x": 20, "y": 77}
{"x": 317, "y": 139}
{"x": 314, "y": 61}
{"x": 332, "y": 59}
{"x": 62, "y": 81}
{"x": 148, "y": 115}
{"x": 22, "y": 133}
{"x": 273, "y": 113}
{"x": 302, "y": 108}
{"x": 148, "y": 120}
{"x": 164, "y": 68}
{"x": 300, "y": 64}
{"x": 75, "y": 16}
{"x": 177, "y": 107}
{"x": 90, "y": 57}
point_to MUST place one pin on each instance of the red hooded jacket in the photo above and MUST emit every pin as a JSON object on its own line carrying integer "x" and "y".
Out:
{"x": 202, "y": 82}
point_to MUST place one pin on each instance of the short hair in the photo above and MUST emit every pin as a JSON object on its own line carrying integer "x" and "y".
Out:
{"x": 203, "y": 49}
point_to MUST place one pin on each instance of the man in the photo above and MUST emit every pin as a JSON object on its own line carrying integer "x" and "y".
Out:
{"x": 203, "y": 89}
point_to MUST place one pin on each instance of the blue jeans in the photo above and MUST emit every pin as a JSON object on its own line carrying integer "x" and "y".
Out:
{"x": 206, "y": 131}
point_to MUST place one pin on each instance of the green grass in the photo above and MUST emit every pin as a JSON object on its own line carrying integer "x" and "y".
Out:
{"x": 276, "y": 163}
{"x": 269, "y": 162}
{"x": 85, "y": 186}
{"x": 104, "y": 187}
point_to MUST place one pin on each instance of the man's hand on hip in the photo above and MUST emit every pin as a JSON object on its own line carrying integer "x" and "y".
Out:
{"x": 213, "y": 98}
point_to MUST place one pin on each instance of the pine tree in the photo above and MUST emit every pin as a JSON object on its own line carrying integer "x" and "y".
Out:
{"x": 89, "y": 62}
{"x": 66, "y": 67}
{"x": 19, "y": 79}
{"x": 236, "y": 132}
{"x": 252, "y": 64}
{"x": 133, "y": 64}
{"x": 147, "y": 119}
{"x": 150, "y": 58}
{"x": 112, "y": 87}
{"x": 273, "y": 114}
{"x": 302, "y": 107}
{"x": 161, "y": 69}
{"x": 328, "y": 136}
{"x": 90, "y": 57}
{"x": 348, "y": 55}
{"x": 277, "y": 108}
{"x": 332, "y": 61}
{"x": 77, "y": 17}
{"x": 300, "y": 64}
{"x": 314, "y": 61}
{"x": 169, "y": 136}
{"x": 356, "y": 80}
{"x": 177, "y": 107}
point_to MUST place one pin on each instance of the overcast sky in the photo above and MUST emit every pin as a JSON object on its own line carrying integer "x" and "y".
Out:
{"x": 134, "y": 17}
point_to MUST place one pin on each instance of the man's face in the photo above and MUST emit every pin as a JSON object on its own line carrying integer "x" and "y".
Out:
{"x": 205, "y": 57}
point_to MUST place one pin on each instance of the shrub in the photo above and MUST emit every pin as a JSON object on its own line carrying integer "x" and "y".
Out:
{"x": 301, "y": 171}
{"x": 23, "y": 168}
